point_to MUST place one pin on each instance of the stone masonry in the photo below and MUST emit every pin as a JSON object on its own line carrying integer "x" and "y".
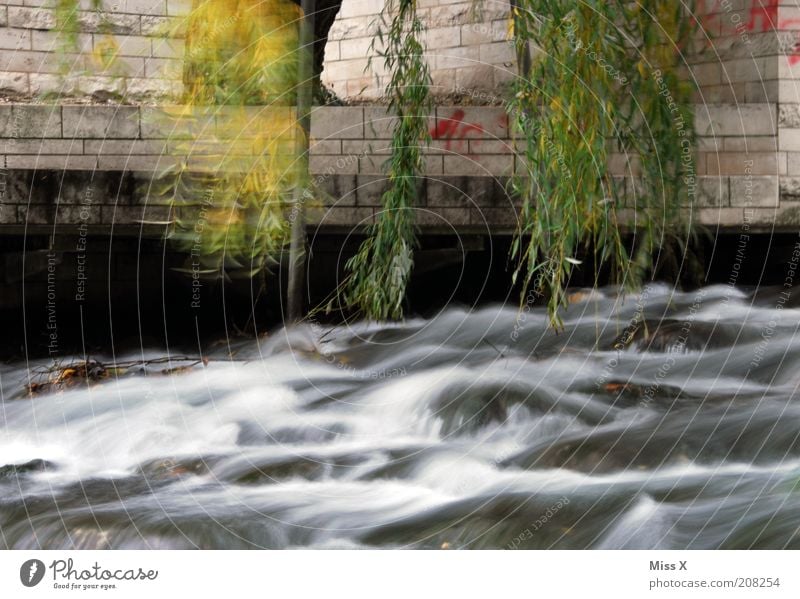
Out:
{"x": 746, "y": 168}
{"x": 138, "y": 33}
{"x": 467, "y": 164}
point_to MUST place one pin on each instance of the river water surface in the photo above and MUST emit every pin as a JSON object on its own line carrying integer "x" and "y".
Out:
{"x": 660, "y": 420}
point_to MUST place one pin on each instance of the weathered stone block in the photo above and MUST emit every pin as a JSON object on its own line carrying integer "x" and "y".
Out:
{"x": 78, "y": 214}
{"x": 712, "y": 191}
{"x": 785, "y": 216}
{"x": 789, "y": 189}
{"x": 741, "y": 119}
{"x": 45, "y": 162}
{"x": 474, "y": 122}
{"x": 42, "y": 146}
{"x": 446, "y": 191}
{"x": 36, "y": 214}
{"x": 351, "y": 48}
{"x": 31, "y": 18}
{"x": 325, "y": 146}
{"x": 8, "y": 213}
{"x": 754, "y": 191}
{"x": 51, "y": 41}
{"x": 789, "y": 116}
{"x": 750, "y": 143}
{"x": 156, "y": 163}
{"x": 20, "y": 121}
{"x": 340, "y": 122}
{"x": 109, "y": 22}
{"x": 789, "y": 139}
{"x": 442, "y": 37}
{"x": 14, "y": 82}
{"x": 366, "y": 147}
{"x": 15, "y": 39}
{"x": 735, "y": 163}
{"x": 125, "y": 146}
{"x": 723, "y": 217}
{"x": 337, "y": 189}
{"x": 442, "y": 218}
{"x": 379, "y": 122}
{"x": 370, "y": 189}
{"x": 454, "y": 58}
{"x": 129, "y": 45}
{"x": 480, "y": 166}
{"x": 497, "y": 53}
{"x": 340, "y": 216}
{"x": 476, "y": 83}
{"x": 101, "y": 122}
{"x": 490, "y": 219}
{"x": 761, "y": 91}
{"x": 121, "y": 214}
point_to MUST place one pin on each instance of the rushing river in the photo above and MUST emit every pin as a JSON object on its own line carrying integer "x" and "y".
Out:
{"x": 660, "y": 420}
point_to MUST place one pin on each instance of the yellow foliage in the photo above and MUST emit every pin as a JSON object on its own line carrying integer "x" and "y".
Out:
{"x": 240, "y": 75}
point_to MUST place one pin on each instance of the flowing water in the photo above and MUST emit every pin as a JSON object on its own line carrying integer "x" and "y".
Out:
{"x": 660, "y": 420}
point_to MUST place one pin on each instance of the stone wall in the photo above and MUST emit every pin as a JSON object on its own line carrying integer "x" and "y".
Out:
{"x": 746, "y": 63}
{"x": 63, "y": 166}
{"x": 147, "y": 60}
{"x": 467, "y": 164}
{"x": 467, "y": 47}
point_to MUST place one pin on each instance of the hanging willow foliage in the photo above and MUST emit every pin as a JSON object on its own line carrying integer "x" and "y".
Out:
{"x": 237, "y": 126}
{"x": 105, "y": 52}
{"x": 240, "y": 79}
{"x": 603, "y": 81}
{"x": 379, "y": 272}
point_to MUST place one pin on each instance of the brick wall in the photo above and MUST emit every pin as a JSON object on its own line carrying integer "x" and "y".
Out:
{"x": 467, "y": 47}
{"x": 147, "y": 62}
{"x": 747, "y": 62}
{"x": 467, "y": 165}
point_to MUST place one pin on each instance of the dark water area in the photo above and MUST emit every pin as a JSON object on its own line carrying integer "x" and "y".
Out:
{"x": 655, "y": 420}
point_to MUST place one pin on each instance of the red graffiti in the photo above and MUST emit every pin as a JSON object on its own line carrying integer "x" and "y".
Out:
{"x": 761, "y": 18}
{"x": 454, "y": 130}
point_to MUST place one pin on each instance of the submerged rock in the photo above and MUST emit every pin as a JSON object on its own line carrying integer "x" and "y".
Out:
{"x": 10, "y": 470}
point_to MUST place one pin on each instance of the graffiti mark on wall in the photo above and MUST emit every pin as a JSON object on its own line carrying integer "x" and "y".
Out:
{"x": 720, "y": 18}
{"x": 453, "y": 131}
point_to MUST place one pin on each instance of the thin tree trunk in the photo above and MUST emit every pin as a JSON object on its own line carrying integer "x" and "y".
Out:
{"x": 297, "y": 247}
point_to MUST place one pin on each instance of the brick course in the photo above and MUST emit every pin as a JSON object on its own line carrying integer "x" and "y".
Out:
{"x": 467, "y": 162}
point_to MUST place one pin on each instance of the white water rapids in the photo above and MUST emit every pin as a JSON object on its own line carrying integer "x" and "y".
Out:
{"x": 672, "y": 424}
